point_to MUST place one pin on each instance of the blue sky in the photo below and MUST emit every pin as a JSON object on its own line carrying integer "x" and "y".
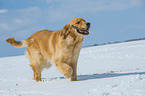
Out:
{"x": 111, "y": 20}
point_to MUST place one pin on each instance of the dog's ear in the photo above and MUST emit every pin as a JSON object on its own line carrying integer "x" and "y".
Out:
{"x": 65, "y": 31}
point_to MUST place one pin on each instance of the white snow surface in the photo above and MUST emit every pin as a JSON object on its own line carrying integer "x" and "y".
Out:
{"x": 108, "y": 70}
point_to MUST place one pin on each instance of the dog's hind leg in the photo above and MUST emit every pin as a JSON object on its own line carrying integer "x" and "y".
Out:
{"x": 37, "y": 72}
{"x": 38, "y": 63}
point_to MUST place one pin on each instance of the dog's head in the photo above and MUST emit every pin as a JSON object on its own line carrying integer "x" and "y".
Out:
{"x": 77, "y": 26}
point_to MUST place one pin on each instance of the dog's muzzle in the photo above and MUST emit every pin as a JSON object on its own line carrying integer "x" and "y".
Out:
{"x": 83, "y": 30}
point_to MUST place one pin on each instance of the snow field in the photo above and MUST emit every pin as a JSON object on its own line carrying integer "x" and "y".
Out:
{"x": 109, "y": 70}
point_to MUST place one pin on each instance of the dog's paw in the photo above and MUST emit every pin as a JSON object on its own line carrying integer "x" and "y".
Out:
{"x": 38, "y": 79}
{"x": 69, "y": 73}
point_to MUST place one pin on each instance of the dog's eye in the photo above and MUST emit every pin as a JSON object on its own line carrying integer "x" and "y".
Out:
{"x": 78, "y": 22}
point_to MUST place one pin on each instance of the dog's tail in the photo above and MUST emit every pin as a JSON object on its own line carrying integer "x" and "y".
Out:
{"x": 18, "y": 44}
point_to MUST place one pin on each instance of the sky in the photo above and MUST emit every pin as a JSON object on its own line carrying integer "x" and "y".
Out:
{"x": 111, "y": 20}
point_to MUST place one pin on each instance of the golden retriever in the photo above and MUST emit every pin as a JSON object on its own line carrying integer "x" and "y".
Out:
{"x": 60, "y": 48}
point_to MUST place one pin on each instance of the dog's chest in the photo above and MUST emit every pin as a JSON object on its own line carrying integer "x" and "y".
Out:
{"x": 68, "y": 49}
{"x": 71, "y": 45}
{"x": 69, "y": 41}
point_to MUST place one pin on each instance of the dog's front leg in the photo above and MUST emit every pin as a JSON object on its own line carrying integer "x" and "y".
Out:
{"x": 64, "y": 69}
{"x": 74, "y": 74}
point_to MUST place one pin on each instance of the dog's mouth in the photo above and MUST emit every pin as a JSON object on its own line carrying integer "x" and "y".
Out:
{"x": 81, "y": 30}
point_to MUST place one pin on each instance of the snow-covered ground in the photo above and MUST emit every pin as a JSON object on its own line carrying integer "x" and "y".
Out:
{"x": 109, "y": 70}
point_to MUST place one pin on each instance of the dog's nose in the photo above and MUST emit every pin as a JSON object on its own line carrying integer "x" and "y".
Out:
{"x": 88, "y": 25}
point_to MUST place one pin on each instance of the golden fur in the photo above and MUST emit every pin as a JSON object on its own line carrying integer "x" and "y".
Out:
{"x": 60, "y": 48}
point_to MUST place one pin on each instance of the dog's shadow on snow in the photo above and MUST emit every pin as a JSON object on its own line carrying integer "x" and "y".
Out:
{"x": 105, "y": 75}
{"x": 96, "y": 76}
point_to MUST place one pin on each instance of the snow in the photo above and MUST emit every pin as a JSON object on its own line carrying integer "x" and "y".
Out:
{"x": 109, "y": 70}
